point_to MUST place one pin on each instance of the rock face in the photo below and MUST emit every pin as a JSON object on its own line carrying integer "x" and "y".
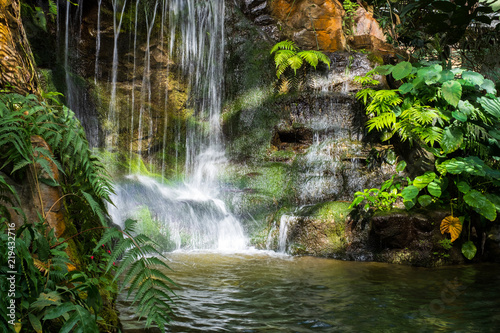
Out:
{"x": 399, "y": 237}
{"x": 365, "y": 24}
{"x": 312, "y": 23}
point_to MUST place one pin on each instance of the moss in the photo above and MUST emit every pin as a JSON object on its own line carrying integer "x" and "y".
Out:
{"x": 154, "y": 229}
{"x": 333, "y": 210}
{"x": 375, "y": 59}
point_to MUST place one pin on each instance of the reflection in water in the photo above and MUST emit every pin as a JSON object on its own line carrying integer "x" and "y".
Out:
{"x": 268, "y": 292}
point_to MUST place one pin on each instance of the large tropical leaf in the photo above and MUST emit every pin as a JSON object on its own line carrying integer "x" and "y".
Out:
{"x": 469, "y": 250}
{"x": 451, "y": 225}
{"x": 491, "y": 105}
{"x": 401, "y": 70}
{"x": 452, "y": 92}
{"x": 452, "y": 139}
{"x": 481, "y": 204}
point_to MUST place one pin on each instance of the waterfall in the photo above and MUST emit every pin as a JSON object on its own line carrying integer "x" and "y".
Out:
{"x": 283, "y": 235}
{"x": 190, "y": 213}
{"x": 135, "y": 85}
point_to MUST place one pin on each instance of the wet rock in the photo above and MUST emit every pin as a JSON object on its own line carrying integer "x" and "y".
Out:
{"x": 264, "y": 20}
{"x": 401, "y": 237}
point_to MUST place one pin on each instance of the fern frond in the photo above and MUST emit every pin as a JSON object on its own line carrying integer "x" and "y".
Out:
{"x": 313, "y": 57}
{"x": 383, "y": 101}
{"x": 284, "y": 45}
{"x": 364, "y": 94}
{"x": 421, "y": 115}
{"x": 382, "y": 121}
{"x": 309, "y": 57}
{"x": 429, "y": 135}
{"x": 295, "y": 63}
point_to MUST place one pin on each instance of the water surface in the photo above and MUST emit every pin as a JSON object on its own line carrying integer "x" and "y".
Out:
{"x": 266, "y": 292}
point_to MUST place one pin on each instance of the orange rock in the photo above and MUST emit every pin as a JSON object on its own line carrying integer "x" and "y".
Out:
{"x": 46, "y": 197}
{"x": 312, "y": 23}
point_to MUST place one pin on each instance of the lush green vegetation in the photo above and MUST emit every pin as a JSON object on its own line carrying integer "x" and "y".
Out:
{"x": 453, "y": 114}
{"x": 68, "y": 283}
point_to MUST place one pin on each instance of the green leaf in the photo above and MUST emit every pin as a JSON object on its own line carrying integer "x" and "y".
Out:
{"x": 284, "y": 45}
{"x": 43, "y": 248}
{"x": 422, "y": 181}
{"x": 410, "y": 192}
{"x": 447, "y": 75}
{"x": 401, "y": 70}
{"x": 452, "y": 139}
{"x": 473, "y": 78}
{"x": 35, "y": 323}
{"x": 384, "y": 70}
{"x": 463, "y": 187}
{"x": 489, "y": 86}
{"x": 452, "y": 92}
{"x": 459, "y": 116}
{"x": 83, "y": 319}
{"x": 409, "y": 204}
{"x": 432, "y": 76}
{"x": 357, "y": 201}
{"x": 59, "y": 311}
{"x": 425, "y": 200}
{"x": 481, "y": 204}
{"x": 495, "y": 200}
{"x": 46, "y": 299}
{"x": 469, "y": 250}
{"x": 434, "y": 188}
{"x": 400, "y": 166}
{"x": 466, "y": 107}
{"x": 406, "y": 88}
{"x": 491, "y": 105}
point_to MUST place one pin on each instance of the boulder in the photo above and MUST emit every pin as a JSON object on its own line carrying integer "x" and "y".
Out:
{"x": 312, "y": 23}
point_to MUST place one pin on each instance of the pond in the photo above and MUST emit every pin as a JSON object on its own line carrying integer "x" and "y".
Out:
{"x": 260, "y": 291}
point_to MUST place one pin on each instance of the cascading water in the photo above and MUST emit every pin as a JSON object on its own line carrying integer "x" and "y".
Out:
{"x": 192, "y": 33}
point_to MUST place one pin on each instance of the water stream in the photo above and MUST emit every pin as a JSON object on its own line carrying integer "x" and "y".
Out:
{"x": 266, "y": 292}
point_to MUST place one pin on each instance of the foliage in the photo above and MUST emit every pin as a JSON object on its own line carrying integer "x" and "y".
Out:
{"x": 453, "y": 114}
{"x": 140, "y": 273}
{"x": 51, "y": 294}
{"x": 49, "y": 297}
{"x": 350, "y": 8}
{"x": 383, "y": 198}
{"x": 288, "y": 55}
{"x": 431, "y": 27}
{"x": 21, "y": 118}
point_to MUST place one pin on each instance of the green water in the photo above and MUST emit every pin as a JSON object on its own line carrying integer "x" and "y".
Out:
{"x": 263, "y": 292}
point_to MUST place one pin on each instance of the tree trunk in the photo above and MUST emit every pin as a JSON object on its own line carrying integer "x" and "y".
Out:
{"x": 17, "y": 68}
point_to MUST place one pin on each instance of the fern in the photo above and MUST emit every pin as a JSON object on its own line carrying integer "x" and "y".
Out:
{"x": 140, "y": 272}
{"x": 284, "y": 45}
{"x": 24, "y": 117}
{"x": 287, "y": 55}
